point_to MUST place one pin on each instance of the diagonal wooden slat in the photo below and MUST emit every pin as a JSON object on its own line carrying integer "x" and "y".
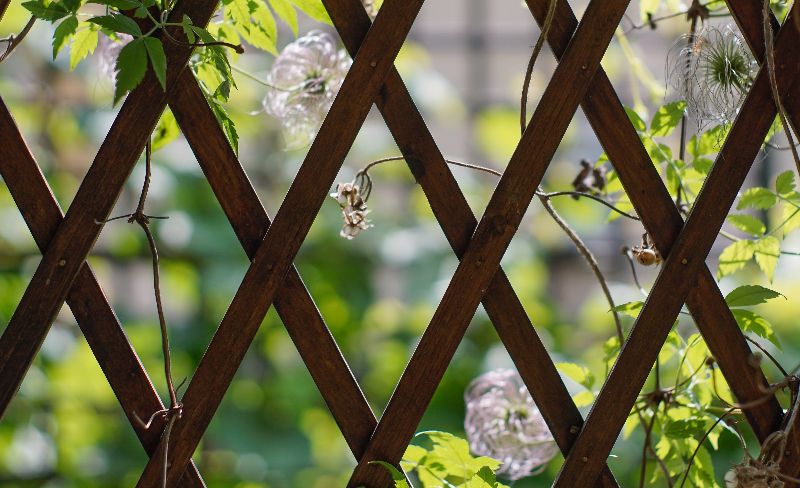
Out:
{"x": 680, "y": 269}
{"x": 492, "y": 236}
{"x": 93, "y": 202}
{"x": 284, "y": 237}
{"x": 94, "y": 315}
{"x": 651, "y": 199}
{"x": 294, "y": 305}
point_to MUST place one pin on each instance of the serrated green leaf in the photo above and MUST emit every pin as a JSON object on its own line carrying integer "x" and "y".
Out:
{"x": 757, "y": 197}
{"x": 314, "y": 9}
{"x": 63, "y": 32}
{"x": 84, "y": 42}
{"x": 583, "y": 398}
{"x": 748, "y": 295}
{"x": 158, "y": 60}
{"x": 630, "y": 309}
{"x": 685, "y": 428}
{"x": 752, "y": 322}
{"x": 578, "y": 374}
{"x": 453, "y": 454}
{"x": 790, "y": 218}
{"x": 637, "y": 121}
{"x": 397, "y": 476}
{"x": 131, "y": 67}
{"x": 119, "y": 4}
{"x": 708, "y": 142}
{"x": 667, "y": 118}
{"x": 286, "y": 13}
{"x": 767, "y": 252}
{"x": 734, "y": 257}
{"x": 118, "y": 23}
{"x": 784, "y": 183}
{"x": 748, "y": 224}
{"x": 52, "y": 11}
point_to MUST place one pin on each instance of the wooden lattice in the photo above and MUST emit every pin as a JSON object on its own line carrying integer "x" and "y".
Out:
{"x": 66, "y": 240}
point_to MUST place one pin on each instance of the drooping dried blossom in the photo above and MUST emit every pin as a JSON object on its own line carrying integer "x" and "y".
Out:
{"x": 107, "y": 53}
{"x": 305, "y": 79}
{"x": 354, "y": 209}
{"x": 712, "y": 70}
{"x": 590, "y": 179}
{"x": 763, "y": 472}
{"x": 503, "y": 422}
{"x": 646, "y": 253}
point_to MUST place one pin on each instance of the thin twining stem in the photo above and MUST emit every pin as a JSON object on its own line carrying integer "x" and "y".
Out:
{"x": 365, "y": 171}
{"x": 769, "y": 55}
{"x": 548, "y": 22}
{"x": 651, "y": 22}
{"x": 15, "y": 40}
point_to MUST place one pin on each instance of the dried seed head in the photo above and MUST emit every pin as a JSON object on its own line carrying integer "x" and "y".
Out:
{"x": 503, "y": 422}
{"x": 646, "y": 254}
{"x": 354, "y": 210}
{"x": 306, "y": 77}
{"x": 712, "y": 70}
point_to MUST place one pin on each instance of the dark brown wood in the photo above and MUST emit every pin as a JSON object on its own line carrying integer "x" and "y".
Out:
{"x": 285, "y": 235}
{"x": 684, "y": 261}
{"x": 94, "y": 315}
{"x": 651, "y": 199}
{"x": 458, "y": 222}
{"x": 294, "y": 305}
{"x": 494, "y": 232}
{"x": 93, "y": 202}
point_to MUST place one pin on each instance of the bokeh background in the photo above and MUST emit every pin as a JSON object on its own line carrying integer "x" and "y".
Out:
{"x": 464, "y": 63}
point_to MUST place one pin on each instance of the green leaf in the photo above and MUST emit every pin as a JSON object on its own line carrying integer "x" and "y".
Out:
{"x": 708, "y": 142}
{"x": 83, "y": 44}
{"x": 119, "y": 4}
{"x": 752, "y": 322}
{"x": 286, "y": 12}
{"x": 166, "y": 131}
{"x": 685, "y": 428}
{"x": 52, "y": 11}
{"x": 630, "y": 309}
{"x": 784, "y": 183}
{"x": 667, "y": 118}
{"x": 583, "y": 398}
{"x": 734, "y": 257}
{"x": 131, "y": 67}
{"x": 747, "y": 295}
{"x": 71, "y": 5}
{"x": 314, "y": 9}
{"x": 767, "y": 252}
{"x": 64, "y": 31}
{"x": 578, "y": 374}
{"x": 748, "y": 224}
{"x": 453, "y": 454}
{"x": 155, "y": 51}
{"x": 118, "y": 23}
{"x": 790, "y": 218}
{"x": 397, "y": 476}
{"x": 637, "y": 121}
{"x": 757, "y": 197}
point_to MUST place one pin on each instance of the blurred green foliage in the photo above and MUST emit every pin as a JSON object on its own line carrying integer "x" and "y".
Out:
{"x": 376, "y": 293}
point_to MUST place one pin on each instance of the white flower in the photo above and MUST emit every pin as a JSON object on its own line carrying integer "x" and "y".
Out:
{"x": 354, "y": 209}
{"x": 107, "y": 53}
{"x": 503, "y": 422}
{"x": 306, "y": 78}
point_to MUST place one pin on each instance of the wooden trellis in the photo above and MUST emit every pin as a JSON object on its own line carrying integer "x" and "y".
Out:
{"x": 66, "y": 240}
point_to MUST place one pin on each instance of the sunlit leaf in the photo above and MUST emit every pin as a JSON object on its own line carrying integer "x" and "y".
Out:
{"x": 756, "y": 324}
{"x": 767, "y": 251}
{"x": 748, "y": 295}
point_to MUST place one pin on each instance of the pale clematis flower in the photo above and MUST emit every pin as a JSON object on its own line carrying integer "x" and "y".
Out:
{"x": 354, "y": 209}
{"x": 305, "y": 79}
{"x": 107, "y": 53}
{"x": 503, "y": 422}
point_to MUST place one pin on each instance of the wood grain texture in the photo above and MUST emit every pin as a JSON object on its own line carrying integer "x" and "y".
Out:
{"x": 681, "y": 267}
{"x": 99, "y": 324}
{"x": 663, "y": 222}
{"x": 293, "y": 303}
{"x": 458, "y": 222}
{"x": 72, "y": 242}
{"x": 287, "y": 232}
{"x": 493, "y": 234}
{"x": 748, "y": 16}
